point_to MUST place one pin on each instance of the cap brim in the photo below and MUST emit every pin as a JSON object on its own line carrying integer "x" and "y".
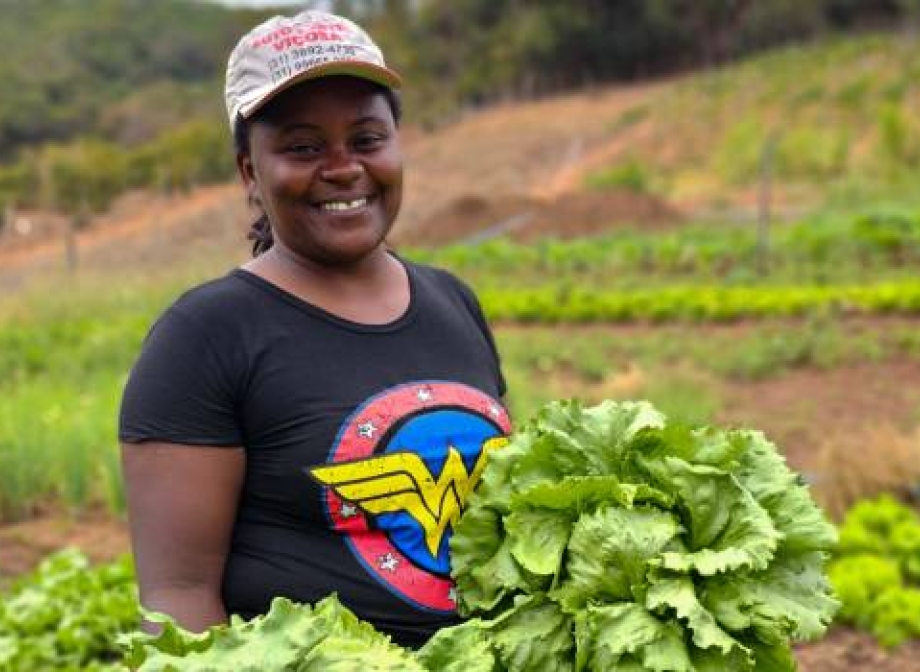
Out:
{"x": 362, "y": 70}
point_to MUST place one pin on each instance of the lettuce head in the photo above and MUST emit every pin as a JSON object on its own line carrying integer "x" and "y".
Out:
{"x": 607, "y": 538}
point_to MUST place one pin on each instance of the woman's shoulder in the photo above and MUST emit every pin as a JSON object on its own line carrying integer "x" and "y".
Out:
{"x": 218, "y": 293}
{"x": 213, "y": 304}
{"x": 443, "y": 285}
{"x": 435, "y": 277}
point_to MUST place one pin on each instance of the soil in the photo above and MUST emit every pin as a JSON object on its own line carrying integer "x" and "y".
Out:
{"x": 803, "y": 409}
{"x": 846, "y": 650}
{"x": 577, "y": 214}
{"x": 23, "y": 545}
{"x": 142, "y": 231}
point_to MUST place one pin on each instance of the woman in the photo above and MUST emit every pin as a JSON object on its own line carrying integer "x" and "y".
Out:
{"x": 313, "y": 421}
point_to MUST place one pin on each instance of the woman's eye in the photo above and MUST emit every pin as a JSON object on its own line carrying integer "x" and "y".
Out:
{"x": 304, "y": 149}
{"x": 369, "y": 141}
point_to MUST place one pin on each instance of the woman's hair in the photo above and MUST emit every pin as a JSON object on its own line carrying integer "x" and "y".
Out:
{"x": 260, "y": 231}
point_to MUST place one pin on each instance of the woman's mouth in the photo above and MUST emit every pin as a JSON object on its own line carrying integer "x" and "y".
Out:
{"x": 344, "y": 206}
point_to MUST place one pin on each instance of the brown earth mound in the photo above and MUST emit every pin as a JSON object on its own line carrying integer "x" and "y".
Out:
{"x": 473, "y": 218}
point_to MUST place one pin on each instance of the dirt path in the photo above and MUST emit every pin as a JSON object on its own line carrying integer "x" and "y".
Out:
{"x": 24, "y": 544}
{"x": 136, "y": 218}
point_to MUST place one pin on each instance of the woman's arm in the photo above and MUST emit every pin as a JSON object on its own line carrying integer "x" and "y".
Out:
{"x": 182, "y": 504}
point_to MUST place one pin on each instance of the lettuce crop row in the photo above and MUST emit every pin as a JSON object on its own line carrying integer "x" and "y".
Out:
{"x": 559, "y": 304}
{"x": 877, "y": 571}
{"x": 829, "y": 246}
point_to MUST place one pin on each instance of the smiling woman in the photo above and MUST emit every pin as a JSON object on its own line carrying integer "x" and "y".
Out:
{"x": 313, "y": 421}
{"x": 325, "y": 166}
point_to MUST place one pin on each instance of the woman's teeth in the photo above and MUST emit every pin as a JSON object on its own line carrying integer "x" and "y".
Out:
{"x": 341, "y": 206}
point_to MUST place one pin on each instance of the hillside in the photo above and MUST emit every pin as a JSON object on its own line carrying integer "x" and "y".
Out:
{"x": 653, "y": 154}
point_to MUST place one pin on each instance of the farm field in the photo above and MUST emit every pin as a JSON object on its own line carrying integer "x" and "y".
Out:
{"x": 632, "y": 269}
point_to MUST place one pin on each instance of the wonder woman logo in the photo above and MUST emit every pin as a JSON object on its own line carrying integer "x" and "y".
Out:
{"x": 398, "y": 477}
{"x": 403, "y": 482}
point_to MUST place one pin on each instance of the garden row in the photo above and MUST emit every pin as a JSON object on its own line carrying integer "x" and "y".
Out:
{"x": 563, "y": 302}
{"x": 830, "y": 247}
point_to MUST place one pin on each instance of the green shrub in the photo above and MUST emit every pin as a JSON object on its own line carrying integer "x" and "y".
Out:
{"x": 812, "y": 152}
{"x": 897, "y": 142}
{"x": 631, "y": 176}
{"x": 738, "y": 156}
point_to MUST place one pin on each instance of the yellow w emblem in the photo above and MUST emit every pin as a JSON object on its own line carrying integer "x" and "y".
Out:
{"x": 402, "y": 482}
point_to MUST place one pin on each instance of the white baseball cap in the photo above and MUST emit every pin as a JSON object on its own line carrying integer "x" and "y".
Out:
{"x": 284, "y": 50}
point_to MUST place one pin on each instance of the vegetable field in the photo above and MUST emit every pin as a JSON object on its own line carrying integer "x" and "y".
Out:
{"x": 804, "y": 325}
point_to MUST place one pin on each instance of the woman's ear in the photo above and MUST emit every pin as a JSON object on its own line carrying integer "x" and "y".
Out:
{"x": 247, "y": 174}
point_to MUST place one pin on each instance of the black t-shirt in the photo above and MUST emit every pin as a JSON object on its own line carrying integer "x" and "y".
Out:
{"x": 361, "y": 441}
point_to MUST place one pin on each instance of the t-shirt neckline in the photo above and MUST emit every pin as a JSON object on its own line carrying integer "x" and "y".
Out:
{"x": 315, "y": 311}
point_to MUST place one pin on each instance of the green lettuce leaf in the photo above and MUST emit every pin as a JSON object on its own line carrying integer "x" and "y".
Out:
{"x": 484, "y": 568}
{"x": 462, "y": 648}
{"x": 627, "y": 636}
{"x": 678, "y": 596}
{"x": 534, "y": 635}
{"x": 727, "y": 528}
{"x": 538, "y": 539}
{"x": 789, "y": 599}
{"x": 763, "y": 473}
{"x": 609, "y": 552}
{"x": 290, "y": 637}
{"x": 577, "y": 494}
{"x": 567, "y": 440}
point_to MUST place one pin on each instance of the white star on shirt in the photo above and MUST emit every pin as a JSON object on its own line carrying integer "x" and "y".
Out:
{"x": 388, "y": 562}
{"x": 348, "y": 510}
{"x": 452, "y": 595}
{"x": 424, "y": 394}
{"x": 495, "y": 411}
{"x": 367, "y": 430}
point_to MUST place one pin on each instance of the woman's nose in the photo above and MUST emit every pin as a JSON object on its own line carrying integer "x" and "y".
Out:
{"x": 341, "y": 167}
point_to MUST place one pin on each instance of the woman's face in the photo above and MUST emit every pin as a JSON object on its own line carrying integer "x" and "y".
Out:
{"x": 325, "y": 165}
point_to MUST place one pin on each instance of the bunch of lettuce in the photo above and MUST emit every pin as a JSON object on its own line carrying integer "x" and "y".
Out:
{"x": 605, "y": 538}
{"x": 289, "y": 638}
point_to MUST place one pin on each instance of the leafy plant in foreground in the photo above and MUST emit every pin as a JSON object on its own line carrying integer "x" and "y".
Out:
{"x": 607, "y": 539}
{"x": 67, "y": 616}
{"x": 324, "y": 638}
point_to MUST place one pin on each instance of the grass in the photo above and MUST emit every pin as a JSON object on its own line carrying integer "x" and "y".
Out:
{"x": 64, "y": 356}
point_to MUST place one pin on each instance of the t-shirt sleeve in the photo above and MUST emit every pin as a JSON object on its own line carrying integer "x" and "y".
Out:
{"x": 469, "y": 298}
{"x": 180, "y": 389}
